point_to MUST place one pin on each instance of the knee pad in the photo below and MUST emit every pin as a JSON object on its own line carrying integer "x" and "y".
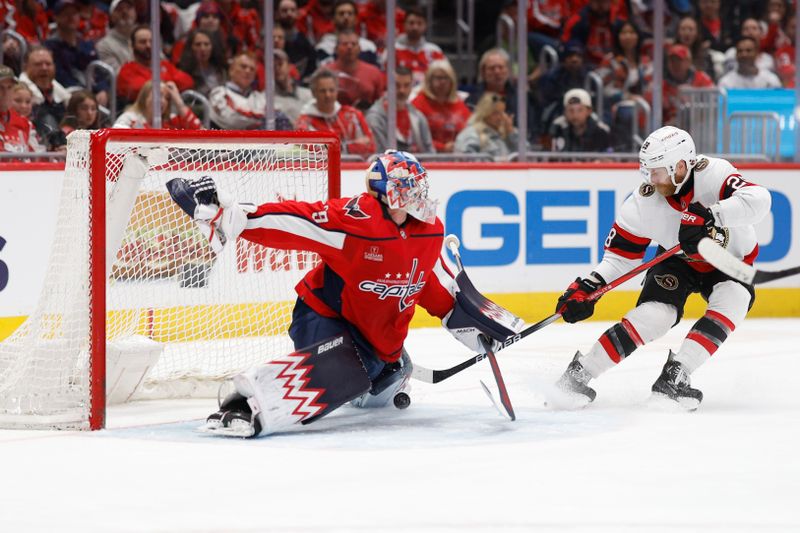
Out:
{"x": 652, "y": 320}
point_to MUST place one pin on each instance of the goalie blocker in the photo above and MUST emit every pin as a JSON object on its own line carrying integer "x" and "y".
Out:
{"x": 297, "y": 388}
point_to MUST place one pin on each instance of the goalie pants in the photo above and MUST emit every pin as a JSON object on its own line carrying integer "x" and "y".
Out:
{"x": 660, "y": 307}
{"x": 309, "y": 327}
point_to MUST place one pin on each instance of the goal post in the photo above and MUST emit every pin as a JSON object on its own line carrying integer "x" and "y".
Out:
{"x": 133, "y": 292}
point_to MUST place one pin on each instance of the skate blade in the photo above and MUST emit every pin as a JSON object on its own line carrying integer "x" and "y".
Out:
{"x": 662, "y": 402}
{"x": 237, "y": 431}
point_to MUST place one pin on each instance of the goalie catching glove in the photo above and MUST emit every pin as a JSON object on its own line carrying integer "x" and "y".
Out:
{"x": 220, "y": 218}
{"x": 473, "y": 315}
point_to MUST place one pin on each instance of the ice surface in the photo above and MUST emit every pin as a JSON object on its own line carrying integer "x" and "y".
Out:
{"x": 449, "y": 463}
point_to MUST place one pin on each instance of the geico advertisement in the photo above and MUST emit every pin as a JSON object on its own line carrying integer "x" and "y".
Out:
{"x": 521, "y": 230}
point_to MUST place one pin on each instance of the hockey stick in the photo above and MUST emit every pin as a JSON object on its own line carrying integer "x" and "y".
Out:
{"x": 452, "y": 243}
{"x": 736, "y": 268}
{"x": 428, "y": 375}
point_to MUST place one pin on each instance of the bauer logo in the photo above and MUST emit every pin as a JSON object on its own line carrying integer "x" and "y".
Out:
{"x": 330, "y": 345}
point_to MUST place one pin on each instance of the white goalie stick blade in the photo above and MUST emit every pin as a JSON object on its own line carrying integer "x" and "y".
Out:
{"x": 500, "y": 410}
{"x": 738, "y": 269}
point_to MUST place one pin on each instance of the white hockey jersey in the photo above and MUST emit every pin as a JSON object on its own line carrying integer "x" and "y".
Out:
{"x": 646, "y": 216}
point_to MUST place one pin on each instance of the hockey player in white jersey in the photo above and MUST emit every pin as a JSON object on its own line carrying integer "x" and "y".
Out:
{"x": 683, "y": 199}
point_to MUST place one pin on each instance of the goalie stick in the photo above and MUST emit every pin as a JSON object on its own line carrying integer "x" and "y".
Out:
{"x": 452, "y": 243}
{"x": 429, "y": 375}
{"x": 722, "y": 260}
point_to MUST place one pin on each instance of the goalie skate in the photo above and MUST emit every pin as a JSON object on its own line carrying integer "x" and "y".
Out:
{"x": 234, "y": 418}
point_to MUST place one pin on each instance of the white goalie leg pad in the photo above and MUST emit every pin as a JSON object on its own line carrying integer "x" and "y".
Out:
{"x": 644, "y": 323}
{"x": 305, "y": 385}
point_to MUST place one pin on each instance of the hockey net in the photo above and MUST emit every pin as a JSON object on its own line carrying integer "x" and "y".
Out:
{"x": 128, "y": 268}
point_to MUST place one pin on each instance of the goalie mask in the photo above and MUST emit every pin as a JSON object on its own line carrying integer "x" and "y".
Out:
{"x": 400, "y": 181}
{"x": 663, "y": 149}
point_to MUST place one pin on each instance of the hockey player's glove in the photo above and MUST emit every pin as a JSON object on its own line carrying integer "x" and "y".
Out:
{"x": 697, "y": 222}
{"x": 574, "y": 304}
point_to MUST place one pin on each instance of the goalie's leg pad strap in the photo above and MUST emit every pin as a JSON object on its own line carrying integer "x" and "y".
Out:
{"x": 474, "y": 310}
{"x": 304, "y": 385}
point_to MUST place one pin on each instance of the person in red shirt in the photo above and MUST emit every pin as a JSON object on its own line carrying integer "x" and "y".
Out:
{"x": 372, "y": 16}
{"x": 413, "y": 51}
{"x": 320, "y": 15}
{"x": 325, "y": 113}
{"x": 591, "y": 27}
{"x": 133, "y": 75}
{"x": 712, "y": 28}
{"x": 27, "y": 17}
{"x": 784, "y": 56}
{"x": 94, "y": 21}
{"x": 17, "y": 134}
{"x": 447, "y": 114}
{"x": 679, "y": 73}
{"x": 360, "y": 83}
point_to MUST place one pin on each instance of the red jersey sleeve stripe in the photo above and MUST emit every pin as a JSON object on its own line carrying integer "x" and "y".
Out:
{"x": 635, "y": 239}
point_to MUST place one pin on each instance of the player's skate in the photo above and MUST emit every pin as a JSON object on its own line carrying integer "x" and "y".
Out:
{"x": 673, "y": 383}
{"x": 574, "y": 381}
{"x": 234, "y": 418}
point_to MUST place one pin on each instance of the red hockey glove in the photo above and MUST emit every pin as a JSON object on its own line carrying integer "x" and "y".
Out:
{"x": 697, "y": 222}
{"x": 573, "y": 304}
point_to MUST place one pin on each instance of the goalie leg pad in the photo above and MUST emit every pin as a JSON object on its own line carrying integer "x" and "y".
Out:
{"x": 474, "y": 310}
{"x": 305, "y": 385}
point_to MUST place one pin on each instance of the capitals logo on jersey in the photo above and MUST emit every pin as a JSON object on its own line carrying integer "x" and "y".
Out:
{"x": 353, "y": 210}
{"x": 398, "y": 286}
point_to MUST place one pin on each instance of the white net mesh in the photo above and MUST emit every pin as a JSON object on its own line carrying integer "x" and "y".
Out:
{"x": 214, "y": 315}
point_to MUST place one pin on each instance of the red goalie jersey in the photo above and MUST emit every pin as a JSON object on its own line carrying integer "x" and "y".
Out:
{"x": 373, "y": 271}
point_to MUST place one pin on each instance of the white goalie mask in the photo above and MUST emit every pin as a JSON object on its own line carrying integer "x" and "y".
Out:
{"x": 400, "y": 181}
{"x": 663, "y": 149}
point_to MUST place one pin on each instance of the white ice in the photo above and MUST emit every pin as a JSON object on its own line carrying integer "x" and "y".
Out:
{"x": 448, "y": 463}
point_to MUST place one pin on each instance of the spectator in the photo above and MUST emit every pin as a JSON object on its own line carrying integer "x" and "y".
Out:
{"x": 290, "y": 98}
{"x": 680, "y": 73}
{"x": 115, "y": 48}
{"x": 545, "y": 20}
{"x": 139, "y": 115}
{"x": 570, "y": 73}
{"x": 344, "y": 18}
{"x": 784, "y": 56}
{"x": 490, "y": 130}
{"x": 438, "y": 100}
{"x": 236, "y": 105}
{"x": 372, "y": 16}
{"x": 775, "y": 15}
{"x": 591, "y": 27}
{"x": 315, "y": 19}
{"x": 626, "y": 70}
{"x": 133, "y": 75}
{"x": 413, "y": 51}
{"x": 494, "y": 76}
{"x": 325, "y": 113}
{"x": 210, "y": 18}
{"x": 204, "y": 60}
{"x": 703, "y": 57}
{"x": 360, "y": 83}
{"x": 244, "y": 24}
{"x": 578, "y": 129}
{"x": 82, "y": 113}
{"x": 29, "y": 20}
{"x": 71, "y": 53}
{"x": 22, "y": 100}
{"x": 751, "y": 28}
{"x": 412, "y": 131}
{"x": 300, "y": 51}
{"x": 712, "y": 28}
{"x": 17, "y": 134}
{"x": 93, "y": 21}
{"x": 747, "y": 74}
{"x": 49, "y": 97}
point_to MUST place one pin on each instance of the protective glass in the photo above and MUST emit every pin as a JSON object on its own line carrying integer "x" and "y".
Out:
{"x": 410, "y": 193}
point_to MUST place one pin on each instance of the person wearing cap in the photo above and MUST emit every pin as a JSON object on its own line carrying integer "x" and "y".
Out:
{"x": 747, "y": 74}
{"x": 71, "y": 53}
{"x": 570, "y": 73}
{"x": 236, "y": 105}
{"x": 679, "y": 73}
{"x": 578, "y": 129}
{"x": 290, "y": 98}
{"x": 114, "y": 49}
{"x": 133, "y": 75}
{"x": 17, "y": 134}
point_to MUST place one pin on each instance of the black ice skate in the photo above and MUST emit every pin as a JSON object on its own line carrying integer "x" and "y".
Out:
{"x": 574, "y": 380}
{"x": 234, "y": 418}
{"x": 673, "y": 383}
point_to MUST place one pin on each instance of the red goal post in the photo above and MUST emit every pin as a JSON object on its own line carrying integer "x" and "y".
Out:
{"x": 157, "y": 285}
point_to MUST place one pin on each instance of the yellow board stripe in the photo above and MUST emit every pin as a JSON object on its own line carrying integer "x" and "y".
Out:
{"x": 178, "y": 324}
